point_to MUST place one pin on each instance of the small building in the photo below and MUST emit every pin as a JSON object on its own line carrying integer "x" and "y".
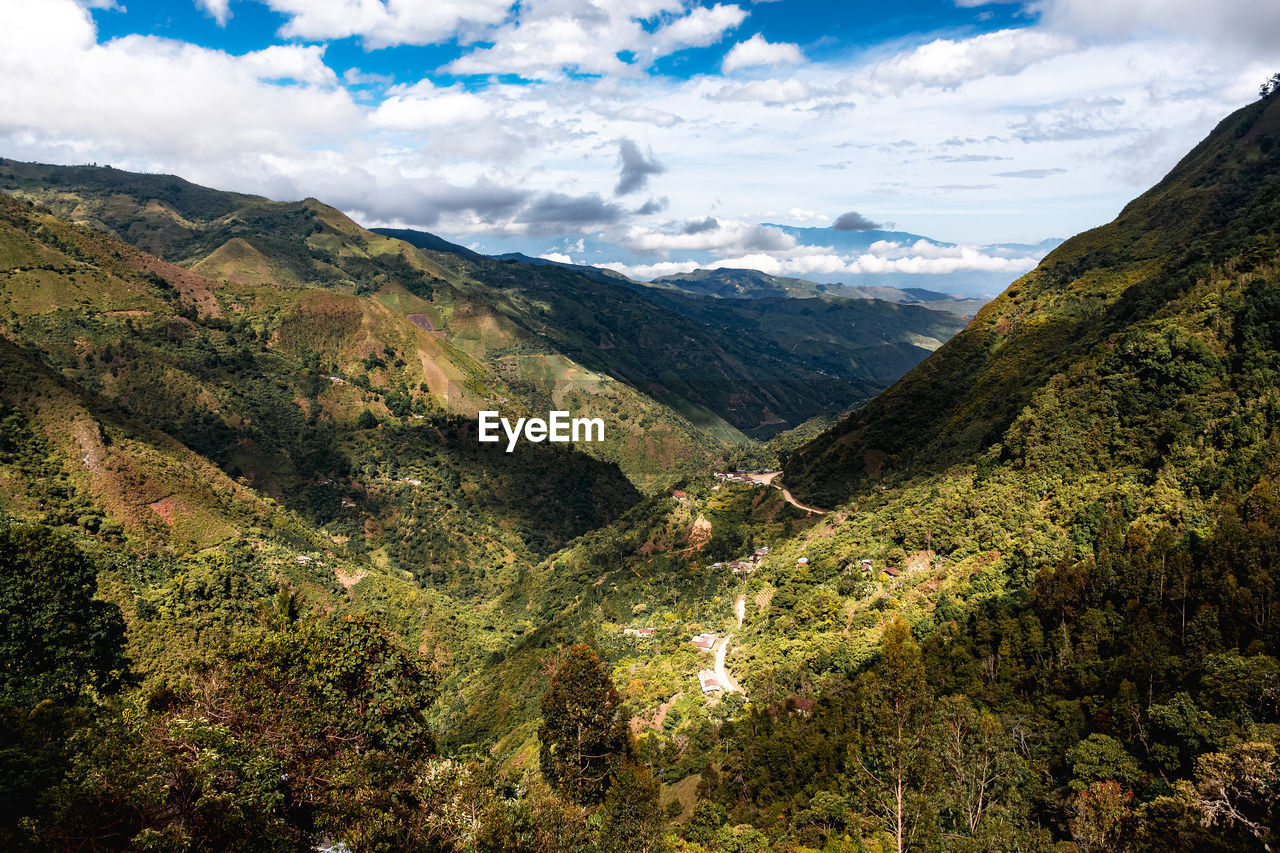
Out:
{"x": 707, "y": 678}
{"x": 742, "y": 567}
{"x": 704, "y": 642}
{"x": 679, "y": 495}
{"x": 638, "y": 632}
{"x": 891, "y": 571}
{"x": 803, "y": 561}
{"x": 866, "y": 564}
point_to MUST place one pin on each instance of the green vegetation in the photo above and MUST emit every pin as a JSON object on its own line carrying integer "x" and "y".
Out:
{"x": 323, "y": 611}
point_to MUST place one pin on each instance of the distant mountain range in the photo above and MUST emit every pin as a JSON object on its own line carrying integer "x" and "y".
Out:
{"x": 976, "y": 271}
{"x": 753, "y": 284}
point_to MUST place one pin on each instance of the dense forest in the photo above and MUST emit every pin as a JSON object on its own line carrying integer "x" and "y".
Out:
{"x": 262, "y": 590}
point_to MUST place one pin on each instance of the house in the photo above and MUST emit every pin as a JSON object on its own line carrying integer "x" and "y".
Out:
{"x": 762, "y": 552}
{"x": 803, "y": 561}
{"x": 679, "y": 495}
{"x": 866, "y": 564}
{"x": 637, "y": 632}
{"x": 742, "y": 567}
{"x": 891, "y": 571}
{"x": 707, "y": 678}
{"x": 704, "y": 642}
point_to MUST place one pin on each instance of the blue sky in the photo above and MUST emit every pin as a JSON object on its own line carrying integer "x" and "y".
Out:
{"x": 652, "y": 135}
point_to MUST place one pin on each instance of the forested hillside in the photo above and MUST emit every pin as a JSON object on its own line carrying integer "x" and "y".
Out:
{"x": 1037, "y": 605}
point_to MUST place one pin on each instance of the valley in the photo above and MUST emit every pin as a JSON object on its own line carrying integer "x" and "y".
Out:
{"x": 1008, "y": 580}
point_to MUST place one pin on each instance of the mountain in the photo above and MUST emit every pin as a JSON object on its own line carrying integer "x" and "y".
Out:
{"x": 1070, "y": 602}
{"x": 1025, "y": 599}
{"x": 1096, "y": 303}
{"x": 510, "y": 330}
{"x": 753, "y": 284}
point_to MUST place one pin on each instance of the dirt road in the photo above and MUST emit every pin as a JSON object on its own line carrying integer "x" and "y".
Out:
{"x": 769, "y": 479}
{"x": 722, "y": 674}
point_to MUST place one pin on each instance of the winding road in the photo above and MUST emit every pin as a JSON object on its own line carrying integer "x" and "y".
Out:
{"x": 768, "y": 480}
{"x": 722, "y": 674}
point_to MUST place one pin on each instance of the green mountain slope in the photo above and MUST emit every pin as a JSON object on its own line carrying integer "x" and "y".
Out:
{"x": 1073, "y": 583}
{"x": 336, "y": 297}
{"x": 259, "y": 399}
{"x": 718, "y": 378}
{"x": 1071, "y": 313}
{"x": 1068, "y": 636}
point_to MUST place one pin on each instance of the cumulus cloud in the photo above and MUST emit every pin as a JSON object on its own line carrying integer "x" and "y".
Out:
{"x": 950, "y": 63}
{"x": 383, "y": 24}
{"x": 299, "y": 63}
{"x": 220, "y": 10}
{"x": 145, "y": 100}
{"x": 756, "y": 51}
{"x": 855, "y": 221}
{"x": 552, "y": 37}
{"x": 698, "y": 226}
{"x": 636, "y": 169}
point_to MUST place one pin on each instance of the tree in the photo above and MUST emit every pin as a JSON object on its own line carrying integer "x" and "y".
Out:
{"x": 1269, "y": 86}
{"x": 55, "y": 639}
{"x": 981, "y": 771}
{"x": 632, "y": 820}
{"x": 1240, "y": 790}
{"x": 584, "y": 729}
{"x": 894, "y": 763}
{"x": 1099, "y": 814}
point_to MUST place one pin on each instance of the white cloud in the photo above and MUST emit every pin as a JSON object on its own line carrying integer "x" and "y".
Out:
{"x": 557, "y": 257}
{"x": 799, "y": 214}
{"x": 1114, "y": 110}
{"x": 768, "y": 92}
{"x": 1247, "y": 25}
{"x": 756, "y": 51}
{"x": 424, "y": 105}
{"x": 553, "y": 36}
{"x": 148, "y": 101}
{"x": 921, "y": 258}
{"x": 382, "y": 24}
{"x": 710, "y": 235}
{"x": 219, "y": 9}
{"x": 700, "y": 28}
{"x": 302, "y": 64}
{"x": 949, "y": 63}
